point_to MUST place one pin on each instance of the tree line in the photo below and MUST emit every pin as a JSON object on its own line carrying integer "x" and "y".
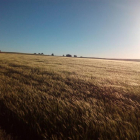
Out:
{"x": 67, "y": 55}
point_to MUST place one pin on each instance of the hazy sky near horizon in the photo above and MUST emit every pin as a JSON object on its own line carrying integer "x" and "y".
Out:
{"x": 92, "y": 28}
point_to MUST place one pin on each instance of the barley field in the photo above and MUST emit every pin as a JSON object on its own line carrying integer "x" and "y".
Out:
{"x": 61, "y": 98}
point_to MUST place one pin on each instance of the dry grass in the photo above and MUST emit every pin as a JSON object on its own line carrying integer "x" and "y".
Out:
{"x": 59, "y": 98}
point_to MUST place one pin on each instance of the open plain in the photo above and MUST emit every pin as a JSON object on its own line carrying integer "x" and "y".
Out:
{"x": 61, "y": 98}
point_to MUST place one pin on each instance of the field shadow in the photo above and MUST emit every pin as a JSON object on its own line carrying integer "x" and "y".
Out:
{"x": 15, "y": 126}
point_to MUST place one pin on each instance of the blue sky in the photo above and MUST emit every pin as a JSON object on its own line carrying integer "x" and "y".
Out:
{"x": 92, "y": 28}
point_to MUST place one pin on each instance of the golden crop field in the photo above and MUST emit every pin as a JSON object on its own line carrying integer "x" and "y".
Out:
{"x": 61, "y": 98}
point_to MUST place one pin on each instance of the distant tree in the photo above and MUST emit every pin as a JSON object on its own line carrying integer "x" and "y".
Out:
{"x": 52, "y": 54}
{"x": 34, "y": 53}
{"x": 69, "y": 55}
{"x": 38, "y": 53}
{"x": 75, "y": 55}
{"x": 63, "y": 55}
{"x": 42, "y": 53}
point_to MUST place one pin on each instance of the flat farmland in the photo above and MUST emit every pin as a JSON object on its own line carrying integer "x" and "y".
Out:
{"x": 61, "y": 98}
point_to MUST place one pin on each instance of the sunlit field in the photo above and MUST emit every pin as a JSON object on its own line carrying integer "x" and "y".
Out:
{"x": 61, "y": 98}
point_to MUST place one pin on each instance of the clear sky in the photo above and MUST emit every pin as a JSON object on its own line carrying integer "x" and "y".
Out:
{"x": 92, "y": 28}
